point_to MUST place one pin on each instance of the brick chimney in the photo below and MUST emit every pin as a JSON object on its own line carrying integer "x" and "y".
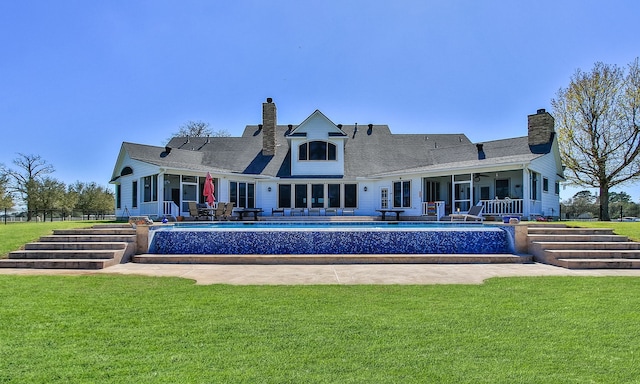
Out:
{"x": 269, "y": 123}
{"x": 541, "y": 128}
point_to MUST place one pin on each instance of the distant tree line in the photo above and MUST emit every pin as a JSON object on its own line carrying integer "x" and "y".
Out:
{"x": 28, "y": 185}
{"x": 585, "y": 205}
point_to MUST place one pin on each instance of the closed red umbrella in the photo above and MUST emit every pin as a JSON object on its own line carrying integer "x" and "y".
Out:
{"x": 209, "y": 189}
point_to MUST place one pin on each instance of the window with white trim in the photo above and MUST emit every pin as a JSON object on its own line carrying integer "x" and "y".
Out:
{"x": 242, "y": 194}
{"x": 317, "y": 151}
{"x": 402, "y": 194}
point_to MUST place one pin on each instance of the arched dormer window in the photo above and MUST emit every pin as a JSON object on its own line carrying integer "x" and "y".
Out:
{"x": 317, "y": 151}
{"x": 126, "y": 171}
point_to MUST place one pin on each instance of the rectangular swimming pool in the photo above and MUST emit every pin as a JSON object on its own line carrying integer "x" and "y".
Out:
{"x": 298, "y": 238}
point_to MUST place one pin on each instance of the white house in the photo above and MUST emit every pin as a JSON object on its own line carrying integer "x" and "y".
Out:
{"x": 319, "y": 167}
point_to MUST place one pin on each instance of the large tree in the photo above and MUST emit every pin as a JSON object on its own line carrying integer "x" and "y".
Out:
{"x": 93, "y": 199}
{"x": 597, "y": 120}
{"x": 48, "y": 196}
{"x": 198, "y": 128}
{"x": 24, "y": 180}
{"x": 6, "y": 199}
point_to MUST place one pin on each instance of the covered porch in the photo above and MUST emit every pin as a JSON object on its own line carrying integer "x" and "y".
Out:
{"x": 500, "y": 192}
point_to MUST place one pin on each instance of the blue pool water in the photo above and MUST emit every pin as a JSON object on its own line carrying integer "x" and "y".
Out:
{"x": 330, "y": 238}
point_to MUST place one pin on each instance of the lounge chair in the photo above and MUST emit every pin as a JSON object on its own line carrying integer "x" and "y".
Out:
{"x": 474, "y": 214}
{"x": 219, "y": 212}
{"x": 297, "y": 211}
{"x": 228, "y": 211}
{"x": 195, "y": 212}
{"x": 330, "y": 211}
{"x": 314, "y": 211}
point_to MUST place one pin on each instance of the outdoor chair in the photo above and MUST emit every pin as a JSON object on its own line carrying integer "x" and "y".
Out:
{"x": 195, "y": 212}
{"x": 330, "y": 211}
{"x": 228, "y": 211}
{"x": 218, "y": 214}
{"x": 474, "y": 214}
{"x": 314, "y": 211}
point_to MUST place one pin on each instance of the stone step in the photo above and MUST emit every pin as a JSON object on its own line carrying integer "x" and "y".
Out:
{"x": 85, "y": 238}
{"x": 589, "y": 245}
{"x": 57, "y": 264}
{"x": 332, "y": 259}
{"x": 595, "y": 254}
{"x": 534, "y": 224}
{"x": 569, "y": 231}
{"x": 575, "y": 238}
{"x": 59, "y": 254}
{"x": 95, "y": 231}
{"x": 112, "y": 225}
{"x": 86, "y": 245}
{"x": 599, "y": 263}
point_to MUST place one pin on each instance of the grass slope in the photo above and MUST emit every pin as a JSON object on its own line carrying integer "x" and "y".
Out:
{"x": 122, "y": 329}
{"x": 15, "y": 235}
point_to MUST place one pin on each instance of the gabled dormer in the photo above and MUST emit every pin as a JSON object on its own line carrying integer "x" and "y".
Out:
{"x": 317, "y": 147}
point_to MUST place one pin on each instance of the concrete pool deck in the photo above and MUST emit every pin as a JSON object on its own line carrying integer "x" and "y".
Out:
{"x": 345, "y": 274}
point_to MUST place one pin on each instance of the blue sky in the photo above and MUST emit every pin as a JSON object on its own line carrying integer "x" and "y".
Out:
{"x": 77, "y": 78}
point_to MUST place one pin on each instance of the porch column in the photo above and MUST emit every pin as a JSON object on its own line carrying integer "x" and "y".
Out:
{"x": 160, "y": 199}
{"x": 526, "y": 192}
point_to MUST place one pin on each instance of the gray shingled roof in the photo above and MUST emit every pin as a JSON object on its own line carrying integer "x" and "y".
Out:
{"x": 369, "y": 151}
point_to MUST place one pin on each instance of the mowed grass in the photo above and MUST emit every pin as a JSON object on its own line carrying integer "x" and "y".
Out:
{"x": 629, "y": 229}
{"x": 15, "y": 235}
{"x": 127, "y": 329}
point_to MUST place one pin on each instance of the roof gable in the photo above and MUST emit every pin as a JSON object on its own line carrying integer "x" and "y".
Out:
{"x": 317, "y": 126}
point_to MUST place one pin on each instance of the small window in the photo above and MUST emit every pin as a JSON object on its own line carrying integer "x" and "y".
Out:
{"x": 557, "y": 188}
{"x": 134, "y": 194}
{"x": 118, "y": 196}
{"x": 126, "y": 171}
{"x": 545, "y": 184}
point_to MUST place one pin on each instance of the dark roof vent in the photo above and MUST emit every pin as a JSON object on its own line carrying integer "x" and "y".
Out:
{"x": 167, "y": 149}
{"x": 340, "y": 126}
{"x": 259, "y": 126}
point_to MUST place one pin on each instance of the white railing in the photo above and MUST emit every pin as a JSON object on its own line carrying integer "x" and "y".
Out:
{"x": 433, "y": 208}
{"x": 501, "y": 207}
{"x": 170, "y": 208}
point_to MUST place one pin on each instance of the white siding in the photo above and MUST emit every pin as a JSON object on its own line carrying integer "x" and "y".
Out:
{"x": 140, "y": 170}
{"x": 305, "y": 167}
{"x": 547, "y": 167}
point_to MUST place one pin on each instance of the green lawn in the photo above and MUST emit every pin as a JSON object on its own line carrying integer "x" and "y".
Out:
{"x": 15, "y": 235}
{"x": 629, "y": 229}
{"x": 126, "y": 329}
